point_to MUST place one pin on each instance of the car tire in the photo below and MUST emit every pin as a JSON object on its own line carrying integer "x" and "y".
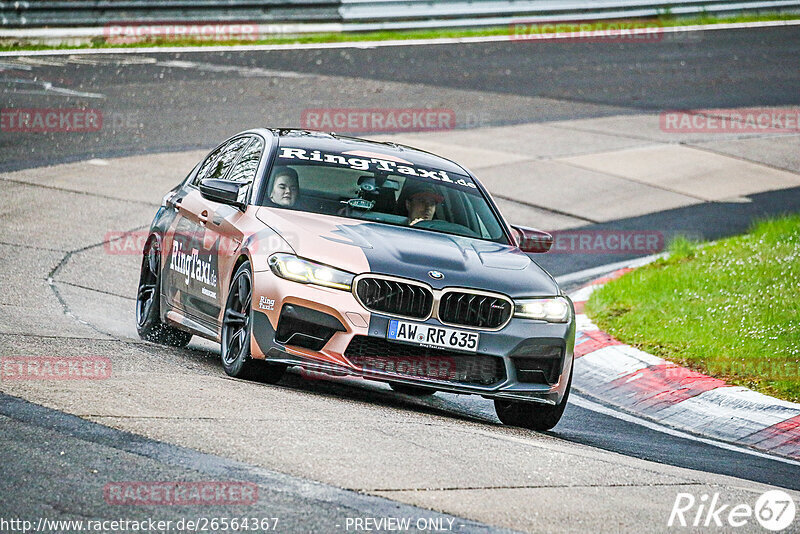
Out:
{"x": 532, "y": 416}
{"x": 237, "y": 328}
{"x": 416, "y": 391}
{"x": 148, "y": 302}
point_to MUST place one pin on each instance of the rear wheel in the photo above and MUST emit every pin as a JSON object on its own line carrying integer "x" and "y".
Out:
{"x": 148, "y": 303}
{"x": 237, "y": 327}
{"x": 416, "y": 391}
{"x": 531, "y": 415}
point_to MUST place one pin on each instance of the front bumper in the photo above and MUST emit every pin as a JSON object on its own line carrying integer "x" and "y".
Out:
{"x": 531, "y": 360}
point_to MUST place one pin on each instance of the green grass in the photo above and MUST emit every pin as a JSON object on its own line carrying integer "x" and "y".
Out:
{"x": 665, "y": 20}
{"x": 730, "y": 309}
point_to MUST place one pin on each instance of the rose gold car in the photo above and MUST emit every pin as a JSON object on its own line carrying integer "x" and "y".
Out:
{"x": 346, "y": 256}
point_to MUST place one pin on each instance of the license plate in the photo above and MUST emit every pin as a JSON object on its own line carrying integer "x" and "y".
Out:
{"x": 433, "y": 336}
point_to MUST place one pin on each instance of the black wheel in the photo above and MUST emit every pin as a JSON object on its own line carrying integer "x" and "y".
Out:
{"x": 148, "y": 302}
{"x": 416, "y": 391}
{"x": 236, "y": 329}
{"x": 530, "y": 415}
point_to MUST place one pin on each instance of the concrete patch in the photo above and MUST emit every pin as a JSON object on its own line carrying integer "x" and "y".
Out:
{"x": 534, "y": 141}
{"x": 137, "y": 178}
{"x": 590, "y": 194}
{"x": 522, "y": 214}
{"x": 472, "y": 157}
{"x": 782, "y": 152}
{"x": 688, "y": 171}
{"x": 644, "y": 127}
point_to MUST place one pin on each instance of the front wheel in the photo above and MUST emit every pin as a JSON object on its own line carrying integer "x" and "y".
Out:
{"x": 531, "y": 415}
{"x": 148, "y": 302}
{"x": 237, "y": 327}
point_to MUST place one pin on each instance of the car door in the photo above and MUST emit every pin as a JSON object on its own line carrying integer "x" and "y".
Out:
{"x": 228, "y": 222}
{"x": 192, "y": 270}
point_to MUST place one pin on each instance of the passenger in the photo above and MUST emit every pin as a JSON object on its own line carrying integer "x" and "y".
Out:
{"x": 285, "y": 187}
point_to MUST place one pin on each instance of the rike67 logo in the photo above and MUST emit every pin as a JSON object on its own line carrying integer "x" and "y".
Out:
{"x": 774, "y": 510}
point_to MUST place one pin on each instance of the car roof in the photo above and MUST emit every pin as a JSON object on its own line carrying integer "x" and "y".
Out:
{"x": 332, "y": 142}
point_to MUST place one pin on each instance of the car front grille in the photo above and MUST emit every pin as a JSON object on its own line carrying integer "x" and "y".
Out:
{"x": 394, "y": 297}
{"x": 475, "y": 310}
{"x": 378, "y": 355}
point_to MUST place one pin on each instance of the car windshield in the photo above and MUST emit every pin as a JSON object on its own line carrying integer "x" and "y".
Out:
{"x": 380, "y": 188}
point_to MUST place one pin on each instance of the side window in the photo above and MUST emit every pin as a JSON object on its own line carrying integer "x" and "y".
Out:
{"x": 207, "y": 164}
{"x": 244, "y": 172}
{"x": 245, "y": 169}
{"x": 220, "y": 167}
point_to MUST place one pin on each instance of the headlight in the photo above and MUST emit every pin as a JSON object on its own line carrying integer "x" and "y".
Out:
{"x": 307, "y": 272}
{"x": 552, "y": 310}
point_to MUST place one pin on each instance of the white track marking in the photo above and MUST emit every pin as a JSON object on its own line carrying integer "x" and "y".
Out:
{"x": 14, "y": 65}
{"x": 39, "y": 87}
{"x": 56, "y": 61}
{"x": 599, "y": 408}
{"x": 247, "y": 72}
{"x": 111, "y": 60}
{"x": 370, "y": 44}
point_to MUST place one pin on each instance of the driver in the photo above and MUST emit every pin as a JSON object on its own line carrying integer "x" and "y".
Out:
{"x": 285, "y": 187}
{"x": 421, "y": 203}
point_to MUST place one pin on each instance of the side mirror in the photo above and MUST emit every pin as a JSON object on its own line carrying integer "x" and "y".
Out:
{"x": 222, "y": 191}
{"x": 531, "y": 239}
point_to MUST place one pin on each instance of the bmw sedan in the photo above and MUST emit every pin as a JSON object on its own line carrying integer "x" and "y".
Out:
{"x": 352, "y": 257}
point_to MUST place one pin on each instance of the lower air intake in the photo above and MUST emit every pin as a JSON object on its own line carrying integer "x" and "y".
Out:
{"x": 378, "y": 355}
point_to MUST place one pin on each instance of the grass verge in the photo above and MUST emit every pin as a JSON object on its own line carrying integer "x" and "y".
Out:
{"x": 662, "y": 21}
{"x": 729, "y": 309}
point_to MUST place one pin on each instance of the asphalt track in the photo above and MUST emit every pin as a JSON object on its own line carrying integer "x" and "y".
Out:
{"x": 593, "y": 472}
{"x": 161, "y": 103}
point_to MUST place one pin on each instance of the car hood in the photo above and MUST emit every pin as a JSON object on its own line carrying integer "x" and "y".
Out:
{"x": 362, "y": 246}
